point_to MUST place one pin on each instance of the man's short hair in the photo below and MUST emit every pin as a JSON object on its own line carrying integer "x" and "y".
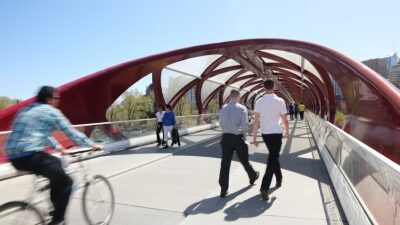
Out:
{"x": 269, "y": 84}
{"x": 44, "y": 94}
{"x": 234, "y": 93}
{"x": 168, "y": 107}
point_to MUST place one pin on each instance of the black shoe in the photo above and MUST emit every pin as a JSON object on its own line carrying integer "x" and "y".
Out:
{"x": 223, "y": 194}
{"x": 278, "y": 184}
{"x": 57, "y": 223}
{"x": 166, "y": 146}
{"x": 172, "y": 144}
{"x": 264, "y": 194}
{"x": 254, "y": 178}
{"x": 159, "y": 144}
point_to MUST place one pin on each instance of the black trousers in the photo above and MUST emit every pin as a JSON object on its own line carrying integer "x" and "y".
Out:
{"x": 273, "y": 143}
{"x": 291, "y": 115}
{"x": 229, "y": 144}
{"x": 49, "y": 166}
{"x": 158, "y": 130}
{"x": 301, "y": 115}
{"x": 295, "y": 114}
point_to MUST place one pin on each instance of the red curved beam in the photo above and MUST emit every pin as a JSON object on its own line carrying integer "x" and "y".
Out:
{"x": 367, "y": 95}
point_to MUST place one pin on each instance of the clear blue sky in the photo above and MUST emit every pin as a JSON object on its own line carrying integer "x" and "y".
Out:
{"x": 54, "y": 42}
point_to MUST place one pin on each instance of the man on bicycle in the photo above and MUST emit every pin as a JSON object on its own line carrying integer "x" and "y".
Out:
{"x": 32, "y": 133}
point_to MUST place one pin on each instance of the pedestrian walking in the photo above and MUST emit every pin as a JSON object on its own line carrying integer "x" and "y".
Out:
{"x": 296, "y": 110}
{"x": 302, "y": 108}
{"x": 269, "y": 111}
{"x": 234, "y": 123}
{"x": 291, "y": 110}
{"x": 159, "y": 125}
{"x": 168, "y": 124}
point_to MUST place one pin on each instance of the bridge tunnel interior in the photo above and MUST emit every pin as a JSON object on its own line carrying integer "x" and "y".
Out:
{"x": 328, "y": 82}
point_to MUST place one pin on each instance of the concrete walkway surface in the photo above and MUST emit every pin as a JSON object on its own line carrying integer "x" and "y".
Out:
{"x": 180, "y": 185}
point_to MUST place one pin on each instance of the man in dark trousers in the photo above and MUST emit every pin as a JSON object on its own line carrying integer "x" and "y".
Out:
{"x": 32, "y": 133}
{"x": 234, "y": 123}
{"x": 296, "y": 110}
{"x": 159, "y": 127}
{"x": 291, "y": 110}
{"x": 269, "y": 111}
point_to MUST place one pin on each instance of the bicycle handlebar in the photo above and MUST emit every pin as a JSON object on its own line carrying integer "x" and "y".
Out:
{"x": 75, "y": 151}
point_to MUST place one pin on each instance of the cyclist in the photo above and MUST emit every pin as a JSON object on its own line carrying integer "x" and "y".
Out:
{"x": 32, "y": 133}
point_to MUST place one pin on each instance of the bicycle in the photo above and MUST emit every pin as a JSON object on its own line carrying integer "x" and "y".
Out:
{"x": 95, "y": 188}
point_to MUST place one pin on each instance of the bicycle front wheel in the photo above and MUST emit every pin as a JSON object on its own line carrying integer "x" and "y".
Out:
{"x": 20, "y": 213}
{"x": 98, "y": 201}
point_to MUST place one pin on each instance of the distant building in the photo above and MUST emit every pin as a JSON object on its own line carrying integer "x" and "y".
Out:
{"x": 394, "y": 75}
{"x": 336, "y": 89}
{"x": 191, "y": 94}
{"x": 382, "y": 65}
{"x": 149, "y": 89}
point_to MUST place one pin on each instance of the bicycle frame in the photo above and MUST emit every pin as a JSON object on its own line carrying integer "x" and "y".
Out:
{"x": 39, "y": 187}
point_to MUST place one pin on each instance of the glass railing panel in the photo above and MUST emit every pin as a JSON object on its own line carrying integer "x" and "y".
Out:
{"x": 373, "y": 178}
{"x": 109, "y": 132}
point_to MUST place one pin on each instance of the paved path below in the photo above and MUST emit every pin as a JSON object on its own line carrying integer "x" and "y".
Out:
{"x": 180, "y": 185}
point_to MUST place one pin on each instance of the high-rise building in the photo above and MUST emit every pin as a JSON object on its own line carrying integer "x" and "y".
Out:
{"x": 336, "y": 89}
{"x": 382, "y": 65}
{"x": 394, "y": 75}
{"x": 149, "y": 89}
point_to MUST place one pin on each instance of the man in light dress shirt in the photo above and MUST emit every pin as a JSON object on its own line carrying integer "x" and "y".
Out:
{"x": 269, "y": 111}
{"x": 234, "y": 122}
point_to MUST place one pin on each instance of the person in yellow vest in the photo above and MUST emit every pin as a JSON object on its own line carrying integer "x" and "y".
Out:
{"x": 302, "y": 108}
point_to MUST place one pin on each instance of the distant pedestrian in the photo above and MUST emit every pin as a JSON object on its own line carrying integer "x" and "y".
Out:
{"x": 159, "y": 125}
{"x": 234, "y": 123}
{"x": 269, "y": 111}
{"x": 291, "y": 110}
{"x": 168, "y": 124}
{"x": 302, "y": 108}
{"x": 296, "y": 110}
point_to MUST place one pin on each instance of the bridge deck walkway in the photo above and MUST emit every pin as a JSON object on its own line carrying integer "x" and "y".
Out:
{"x": 180, "y": 185}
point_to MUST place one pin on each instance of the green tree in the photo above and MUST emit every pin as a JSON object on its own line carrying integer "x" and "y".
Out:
{"x": 6, "y": 102}
{"x": 182, "y": 108}
{"x": 114, "y": 113}
{"x": 213, "y": 106}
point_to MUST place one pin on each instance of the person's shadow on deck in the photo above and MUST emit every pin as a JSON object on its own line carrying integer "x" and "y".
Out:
{"x": 213, "y": 204}
{"x": 251, "y": 207}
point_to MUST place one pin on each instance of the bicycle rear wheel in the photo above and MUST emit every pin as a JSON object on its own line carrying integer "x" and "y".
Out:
{"x": 20, "y": 213}
{"x": 98, "y": 201}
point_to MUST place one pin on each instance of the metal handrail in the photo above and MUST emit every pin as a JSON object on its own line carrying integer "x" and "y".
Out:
{"x": 123, "y": 121}
{"x": 384, "y": 176}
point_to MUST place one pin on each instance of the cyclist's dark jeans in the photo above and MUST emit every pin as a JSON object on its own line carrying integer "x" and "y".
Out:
{"x": 48, "y": 166}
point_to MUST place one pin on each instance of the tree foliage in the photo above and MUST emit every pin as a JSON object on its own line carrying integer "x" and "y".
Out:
{"x": 6, "y": 102}
{"x": 133, "y": 105}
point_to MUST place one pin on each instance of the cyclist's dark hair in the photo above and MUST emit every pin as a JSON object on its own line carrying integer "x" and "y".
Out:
{"x": 44, "y": 93}
{"x": 168, "y": 107}
{"x": 269, "y": 84}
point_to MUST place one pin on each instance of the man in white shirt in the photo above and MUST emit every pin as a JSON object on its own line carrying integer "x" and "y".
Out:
{"x": 159, "y": 116}
{"x": 269, "y": 111}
